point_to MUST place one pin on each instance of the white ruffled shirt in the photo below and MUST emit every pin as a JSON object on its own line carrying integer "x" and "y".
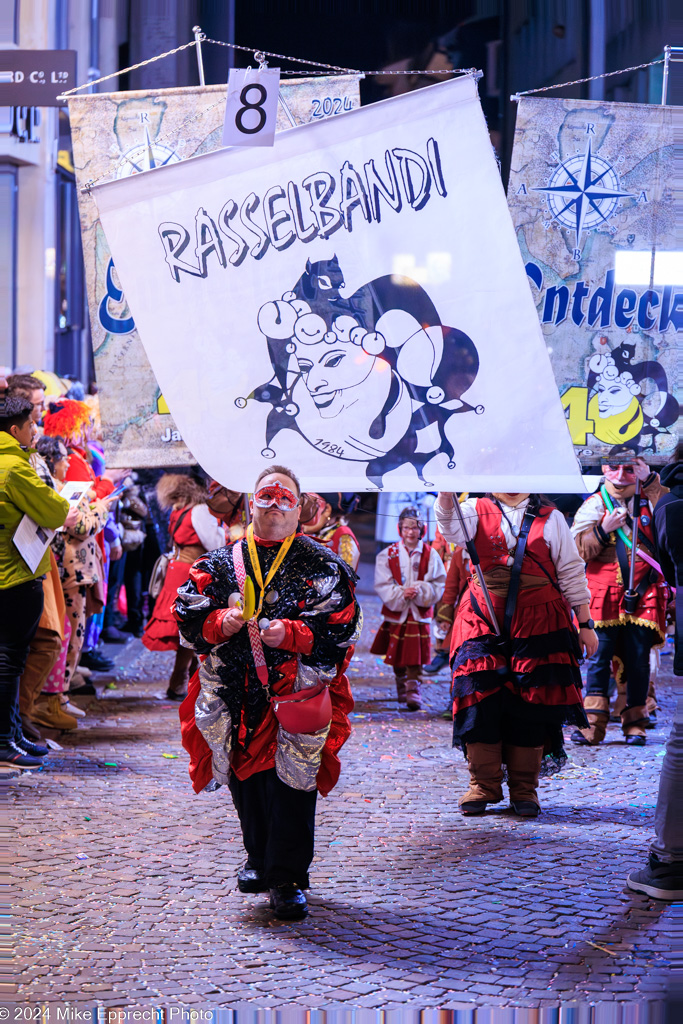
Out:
{"x": 569, "y": 566}
{"x": 429, "y": 590}
{"x": 207, "y": 528}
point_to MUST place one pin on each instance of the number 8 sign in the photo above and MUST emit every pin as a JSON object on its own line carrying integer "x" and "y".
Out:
{"x": 251, "y": 109}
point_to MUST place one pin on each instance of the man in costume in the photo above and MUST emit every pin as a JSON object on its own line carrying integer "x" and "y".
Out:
{"x": 410, "y": 579}
{"x": 271, "y": 615}
{"x": 515, "y": 686}
{"x": 602, "y": 528}
{"x": 324, "y": 519}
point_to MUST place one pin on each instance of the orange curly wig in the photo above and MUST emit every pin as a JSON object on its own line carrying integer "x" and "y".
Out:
{"x": 66, "y": 418}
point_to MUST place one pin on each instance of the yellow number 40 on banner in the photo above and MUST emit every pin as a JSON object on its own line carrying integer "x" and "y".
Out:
{"x": 583, "y": 418}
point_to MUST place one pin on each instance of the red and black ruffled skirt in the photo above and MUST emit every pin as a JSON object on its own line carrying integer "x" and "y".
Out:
{"x": 537, "y": 665}
{"x": 161, "y": 632}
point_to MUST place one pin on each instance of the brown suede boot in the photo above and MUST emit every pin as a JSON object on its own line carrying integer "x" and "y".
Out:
{"x": 524, "y": 766}
{"x": 48, "y": 711}
{"x": 486, "y": 775}
{"x": 400, "y": 685}
{"x": 413, "y": 689}
{"x": 180, "y": 676}
{"x": 633, "y": 725}
{"x": 597, "y": 713}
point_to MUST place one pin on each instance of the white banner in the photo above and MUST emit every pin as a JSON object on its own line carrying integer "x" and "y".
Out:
{"x": 116, "y": 135}
{"x": 351, "y": 303}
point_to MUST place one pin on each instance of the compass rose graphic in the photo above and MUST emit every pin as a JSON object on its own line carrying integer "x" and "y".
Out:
{"x": 583, "y": 192}
{"x": 145, "y": 157}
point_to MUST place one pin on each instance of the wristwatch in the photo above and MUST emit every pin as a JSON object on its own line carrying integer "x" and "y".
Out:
{"x": 588, "y": 624}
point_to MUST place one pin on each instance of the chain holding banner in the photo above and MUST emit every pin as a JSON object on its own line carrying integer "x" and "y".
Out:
{"x": 116, "y": 135}
{"x": 351, "y": 302}
{"x": 591, "y": 194}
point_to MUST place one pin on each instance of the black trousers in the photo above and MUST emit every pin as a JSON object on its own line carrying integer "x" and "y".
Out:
{"x": 632, "y": 643}
{"x": 114, "y": 583}
{"x": 20, "y": 611}
{"x": 278, "y": 827}
{"x": 133, "y": 584}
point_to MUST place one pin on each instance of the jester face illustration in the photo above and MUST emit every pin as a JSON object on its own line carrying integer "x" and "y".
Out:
{"x": 372, "y": 377}
{"x": 629, "y": 401}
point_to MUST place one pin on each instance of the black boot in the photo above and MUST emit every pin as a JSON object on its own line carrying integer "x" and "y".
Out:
{"x": 288, "y": 902}
{"x": 249, "y": 879}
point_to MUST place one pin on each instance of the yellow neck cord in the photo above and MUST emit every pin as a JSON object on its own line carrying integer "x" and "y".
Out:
{"x": 256, "y": 565}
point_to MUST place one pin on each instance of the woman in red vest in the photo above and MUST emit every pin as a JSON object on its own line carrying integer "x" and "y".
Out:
{"x": 193, "y": 531}
{"x": 514, "y": 690}
{"x": 326, "y": 522}
{"x": 409, "y": 578}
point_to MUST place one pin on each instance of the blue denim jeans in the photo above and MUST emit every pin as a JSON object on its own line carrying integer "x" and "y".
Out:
{"x": 632, "y": 643}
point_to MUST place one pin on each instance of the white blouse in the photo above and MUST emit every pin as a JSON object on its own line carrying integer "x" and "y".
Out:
{"x": 210, "y": 532}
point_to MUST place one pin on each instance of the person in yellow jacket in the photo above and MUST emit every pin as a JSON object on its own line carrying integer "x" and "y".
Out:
{"x": 22, "y": 492}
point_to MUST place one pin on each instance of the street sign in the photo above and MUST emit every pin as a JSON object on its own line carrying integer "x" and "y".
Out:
{"x": 35, "y": 78}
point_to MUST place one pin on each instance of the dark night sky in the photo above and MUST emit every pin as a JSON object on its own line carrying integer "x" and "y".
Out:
{"x": 363, "y": 35}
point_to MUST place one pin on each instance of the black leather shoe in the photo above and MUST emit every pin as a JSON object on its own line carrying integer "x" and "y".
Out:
{"x": 112, "y": 635}
{"x": 174, "y": 695}
{"x": 87, "y": 690}
{"x": 578, "y": 737}
{"x": 473, "y": 807}
{"x": 96, "y": 661}
{"x": 249, "y": 879}
{"x": 636, "y": 741}
{"x": 525, "y": 808}
{"x": 288, "y": 902}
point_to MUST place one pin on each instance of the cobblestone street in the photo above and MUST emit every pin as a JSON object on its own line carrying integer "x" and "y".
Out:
{"x": 128, "y": 878}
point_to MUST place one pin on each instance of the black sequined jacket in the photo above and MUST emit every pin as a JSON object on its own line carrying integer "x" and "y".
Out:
{"x": 313, "y": 589}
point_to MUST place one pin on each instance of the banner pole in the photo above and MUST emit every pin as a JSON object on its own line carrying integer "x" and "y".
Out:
{"x": 474, "y": 558}
{"x": 198, "y": 37}
{"x": 631, "y": 597}
{"x": 665, "y": 76}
